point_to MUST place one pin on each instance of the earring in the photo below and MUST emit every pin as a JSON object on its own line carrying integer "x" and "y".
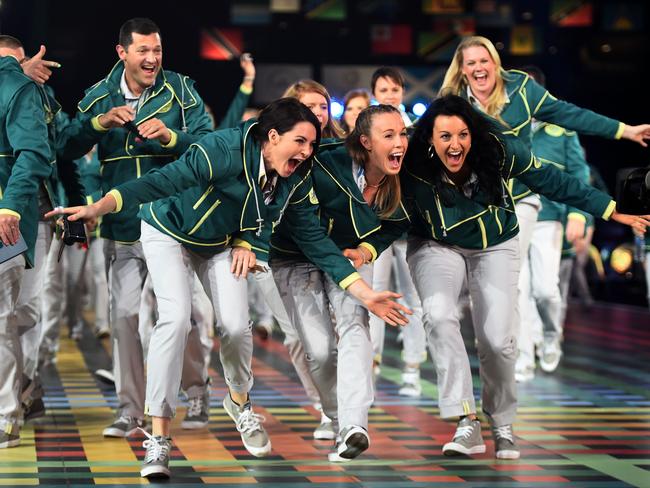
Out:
{"x": 431, "y": 152}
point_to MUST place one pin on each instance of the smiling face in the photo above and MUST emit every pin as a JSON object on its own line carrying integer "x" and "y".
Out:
{"x": 142, "y": 61}
{"x": 480, "y": 70}
{"x": 352, "y": 109}
{"x": 283, "y": 153}
{"x": 452, "y": 141}
{"x": 317, "y": 103}
{"x": 388, "y": 92}
{"x": 386, "y": 145}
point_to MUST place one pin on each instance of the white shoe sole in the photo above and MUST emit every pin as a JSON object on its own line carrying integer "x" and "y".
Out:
{"x": 455, "y": 449}
{"x": 409, "y": 392}
{"x": 193, "y": 424}
{"x": 117, "y": 433}
{"x": 11, "y": 443}
{"x": 156, "y": 472}
{"x": 324, "y": 435}
{"x": 507, "y": 454}
{"x": 356, "y": 441}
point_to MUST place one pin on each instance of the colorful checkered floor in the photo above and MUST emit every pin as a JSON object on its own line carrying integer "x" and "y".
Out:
{"x": 587, "y": 425}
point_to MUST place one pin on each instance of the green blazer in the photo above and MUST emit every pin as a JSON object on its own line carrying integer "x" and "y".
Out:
{"x": 341, "y": 211}
{"x": 554, "y": 145}
{"x": 527, "y": 99}
{"x": 473, "y": 223}
{"x": 24, "y": 150}
{"x": 172, "y": 99}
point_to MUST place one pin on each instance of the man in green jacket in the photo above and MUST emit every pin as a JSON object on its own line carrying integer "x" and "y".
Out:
{"x": 141, "y": 117}
{"x": 24, "y": 164}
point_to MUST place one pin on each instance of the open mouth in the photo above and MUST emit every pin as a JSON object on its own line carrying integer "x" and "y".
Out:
{"x": 150, "y": 69}
{"x": 395, "y": 159}
{"x": 293, "y": 164}
{"x": 454, "y": 157}
{"x": 481, "y": 78}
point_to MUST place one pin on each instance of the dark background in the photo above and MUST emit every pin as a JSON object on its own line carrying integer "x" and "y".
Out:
{"x": 606, "y": 71}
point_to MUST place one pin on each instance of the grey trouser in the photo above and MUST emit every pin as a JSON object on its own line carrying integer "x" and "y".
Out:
{"x": 346, "y": 391}
{"x": 127, "y": 271}
{"x": 393, "y": 259}
{"x": 172, "y": 268}
{"x": 438, "y": 273}
{"x": 53, "y": 299}
{"x": 11, "y": 355}
{"x": 271, "y": 296}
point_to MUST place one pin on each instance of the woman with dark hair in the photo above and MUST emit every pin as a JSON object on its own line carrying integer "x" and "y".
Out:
{"x": 359, "y": 201}
{"x": 464, "y": 225}
{"x": 206, "y": 209}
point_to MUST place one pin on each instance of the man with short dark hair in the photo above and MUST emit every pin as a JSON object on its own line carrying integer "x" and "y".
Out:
{"x": 141, "y": 117}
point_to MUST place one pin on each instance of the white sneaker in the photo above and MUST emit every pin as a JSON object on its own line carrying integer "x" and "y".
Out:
{"x": 551, "y": 355}
{"x": 524, "y": 375}
{"x": 325, "y": 431}
{"x": 411, "y": 386}
{"x": 352, "y": 442}
{"x": 249, "y": 425}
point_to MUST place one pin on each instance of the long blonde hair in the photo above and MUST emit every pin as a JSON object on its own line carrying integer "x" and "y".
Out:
{"x": 332, "y": 128}
{"x": 455, "y": 82}
{"x": 389, "y": 193}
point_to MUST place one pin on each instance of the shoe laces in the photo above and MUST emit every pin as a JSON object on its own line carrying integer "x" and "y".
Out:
{"x": 125, "y": 419}
{"x": 464, "y": 431}
{"x": 248, "y": 421}
{"x": 157, "y": 447}
{"x": 504, "y": 432}
{"x": 195, "y": 406}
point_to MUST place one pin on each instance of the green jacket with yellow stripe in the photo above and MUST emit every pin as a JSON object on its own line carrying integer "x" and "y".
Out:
{"x": 172, "y": 99}
{"x": 214, "y": 199}
{"x": 554, "y": 145}
{"x": 340, "y": 210}
{"x": 527, "y": 99}
{"x": 24, "y": 151}
{"x": 474, "y": 223}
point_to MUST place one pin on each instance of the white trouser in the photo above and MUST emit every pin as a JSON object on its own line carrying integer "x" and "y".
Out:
{"x": 438, "y": 273}
{"x": 271, "y": 297}
{"x": 172, "y": 269}
{"x": 393, "y": 259}
{"x": 346, "y": 390}
{"x": 97, "y": 284}
{"x": 526, "y": 210}
{"x": 566, "y": 268}
{"x": 545, "y": 303}
{"x": 11, "y": 356}
{"x": 647, "y": 275}
{"x": 256, "y": 302}
{"x": 27, "y": 314}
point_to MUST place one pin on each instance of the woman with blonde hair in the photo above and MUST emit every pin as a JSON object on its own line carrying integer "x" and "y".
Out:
{"x": 516, "y": 101}
{"x": 358, "y": 193}
{"x": 318, "y": 100}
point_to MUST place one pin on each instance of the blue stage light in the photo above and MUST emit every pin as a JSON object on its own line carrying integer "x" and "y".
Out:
{"x": 337, "y": 109}
{"x": 419, "y": 108}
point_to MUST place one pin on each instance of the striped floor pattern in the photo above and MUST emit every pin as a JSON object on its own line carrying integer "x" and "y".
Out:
{"x": 587, "y": 425}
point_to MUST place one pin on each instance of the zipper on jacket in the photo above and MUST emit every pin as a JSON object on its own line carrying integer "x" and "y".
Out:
{"x": 330, "y": 225}
{"x": 203, "y": 197}
{"x": 428, "y": 217}
{"x": 483, "y": 233}
{"x": 442, "y": 219}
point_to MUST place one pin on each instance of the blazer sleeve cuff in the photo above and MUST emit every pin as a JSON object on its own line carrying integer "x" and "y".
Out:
{"x": 370, "y": 248}
{"x": 609, "y": 210}
{"x": 576, "y": 216}
{"x": 349, "y": 280}
{"x": 118, "y": 200}
{"x": 619, "y": 132}
{"x": 96, "y": 125}
{"x": 172, "y": 141}
{"x": 6, "y": 211}
{"x": 242, "y": 243}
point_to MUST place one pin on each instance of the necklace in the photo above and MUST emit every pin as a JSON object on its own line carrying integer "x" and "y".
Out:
{"x": 381, "y": 182}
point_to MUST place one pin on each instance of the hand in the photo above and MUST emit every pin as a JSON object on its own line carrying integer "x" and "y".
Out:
{"x": 9, "y": 229}
{"x": 358, "y": 256}
{"x": 155, "y": 129}
{"x": 116, "y": 117}
{"x": 637, "y": 133}
{"x": 637, "y": 222}
{"x": 575, "y": 229}
{"x": 243, "y": 259}
{"x": 381, "y": 303}
{"x": 37, "y": 68}
{"x": 105, "y": 205}
{"x": 247, "y": 65}
{"x": 91, "y": 225}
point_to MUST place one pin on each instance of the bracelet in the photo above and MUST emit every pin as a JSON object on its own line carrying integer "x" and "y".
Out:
{"x": 249, "y": 78}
